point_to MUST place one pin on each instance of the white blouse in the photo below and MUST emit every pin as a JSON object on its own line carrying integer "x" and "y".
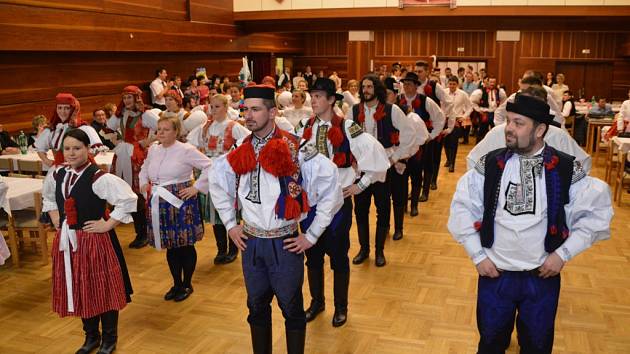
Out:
{"x": 49, "y": 139}
{"x": 173, "y": 164}
{"x": 216, "y": 130}
{"x": 295, "y": 115}
{"x": 108, "y": 187}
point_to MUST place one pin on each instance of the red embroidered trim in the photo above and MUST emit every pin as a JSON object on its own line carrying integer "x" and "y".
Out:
{"x": 378, "y": 115}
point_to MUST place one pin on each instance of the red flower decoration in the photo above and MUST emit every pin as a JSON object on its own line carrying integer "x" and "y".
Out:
{"x": 477, "y": 225}
{"x": 565, "y": 233}
{"x": 553, "y": 230}
{"x": 339, "y": 159}
{"x": 552, "y": 164}
{"x": 428, "y": 90}
{"x": 335, "y": 135}
{"x": 416, "y": 103}
{"x": 394, "y": 137}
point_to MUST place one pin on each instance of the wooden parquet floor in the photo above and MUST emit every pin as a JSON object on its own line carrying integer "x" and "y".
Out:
{"x": 423, "y": 301}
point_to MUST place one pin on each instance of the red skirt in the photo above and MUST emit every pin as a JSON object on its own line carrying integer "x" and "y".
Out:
{"x": 97, "y": 283}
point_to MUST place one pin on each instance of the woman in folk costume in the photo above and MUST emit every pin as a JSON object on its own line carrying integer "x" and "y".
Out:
{"x": 90, "y": 277}
{"x": 130, "y": 151}
{"x": 174, "y": 220}
{"x": 216, "y": 138}
{"x": 174, "y": 108}
{"x": 67, "y": 115}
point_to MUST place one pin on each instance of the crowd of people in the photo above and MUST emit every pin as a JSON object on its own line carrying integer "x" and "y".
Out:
{"x": 279, "y": 168}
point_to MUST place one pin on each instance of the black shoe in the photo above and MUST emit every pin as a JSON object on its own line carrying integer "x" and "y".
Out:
{"x": 315, "y": 309}
{"x": 451, "y": 168}
{"x": 139, "y": 242}
{"x": 183, "y": 294}
{"x": 229, "y": 258}
{"x": 89, "y": 345}
{"x": 232, "y": 253}
{"x": 220, "y": 258}
{"x": 316, "y": 288}
{"x": 414, "y": 210}
{"x": 433, "y": 186}
{"x": 170, "y": 295}
{"x": 340, "y": 317}
{"x": 109, "y": 321}
{"x": 341, "y": 285}
{"x": 107, "y": 348}
{"x": 361, "y": 257}
{"x": 423, "y": 198}
{"x": 446, "y": 164}
{"x": 380, "y": 259}
{"x": 398, "y": 235}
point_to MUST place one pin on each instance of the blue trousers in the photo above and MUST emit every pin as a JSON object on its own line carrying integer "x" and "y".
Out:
{"x": 270, "y": 270}
{"x": 335, "y": 241}
{"x": 523, "y": 296}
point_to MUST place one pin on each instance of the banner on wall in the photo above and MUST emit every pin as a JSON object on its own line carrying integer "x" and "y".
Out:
{"x": 411, "y": 3}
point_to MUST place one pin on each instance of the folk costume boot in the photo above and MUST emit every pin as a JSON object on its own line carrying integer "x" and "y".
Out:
{"x": 109, "y": 321}
{"x": 220, "y": 236}
{"x": 92, "y": 335}
{"x": 232, "y": 252}
{"x": 295, "y": 341}
{"x": 364, "y": 240}
{"x": 261, "y": 339}
{"x": 316, "y": 286}
{"x": 381, "y": 234}
{"x": 399, "y": 218}
{"x": 342, "y": 282}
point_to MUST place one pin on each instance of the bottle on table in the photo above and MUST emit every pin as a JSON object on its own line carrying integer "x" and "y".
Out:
{"x": 23, "y": 143}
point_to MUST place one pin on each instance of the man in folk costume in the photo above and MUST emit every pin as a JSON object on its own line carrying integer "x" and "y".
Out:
{"x": 389, "y": 125}
{"x": 131, "y": 150}
{"x": 485, "y": 101}
{"x": 425, "y": 107}
{"x": 433, "y": 90}
{"x": 67, "y": 115}
{"x": 274, "y": 182}
{"x": 521, "y": 214}
{"x": 344, "y": 142}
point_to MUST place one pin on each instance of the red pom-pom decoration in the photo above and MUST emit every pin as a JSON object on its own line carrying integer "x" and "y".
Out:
{"x": 70, "y": 209}
{"x": 477, "y": 225}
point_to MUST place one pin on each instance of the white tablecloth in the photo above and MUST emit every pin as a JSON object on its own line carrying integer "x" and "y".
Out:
{"x": 101, "y": 159}
{"x": 624, "y": 145}
{"x": 20, "y": 193}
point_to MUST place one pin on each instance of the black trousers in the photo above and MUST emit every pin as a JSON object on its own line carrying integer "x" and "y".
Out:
{"x": 140, "y": 218}
{"x": 437, "y": 159}
{"x": 414, "y": 170}
{"x": 399, "y": 186}
{"x": 422, "y": 174}
{"x": 451, "y": 144}
{"x": 334, "y": 242}
{"x": 382, "y": 199}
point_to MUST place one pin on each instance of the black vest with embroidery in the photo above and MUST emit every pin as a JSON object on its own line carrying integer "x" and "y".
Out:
{"x": 384, "y": 127}
{"x": 344, "y": 148}
{"x": 558, "y": 182}
{"x": 484, "y": 101}
{"x": 88, "y": 205}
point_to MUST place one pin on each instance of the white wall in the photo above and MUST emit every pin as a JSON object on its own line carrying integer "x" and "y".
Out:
{"x": 274, "y": 5}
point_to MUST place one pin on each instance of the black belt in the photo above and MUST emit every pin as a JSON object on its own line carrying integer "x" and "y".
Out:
{"x": 534, "y": 272}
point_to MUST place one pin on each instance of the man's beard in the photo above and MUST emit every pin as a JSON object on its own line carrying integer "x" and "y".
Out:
{"x": 515, "y": 146}
{"x": 368, "y": 97}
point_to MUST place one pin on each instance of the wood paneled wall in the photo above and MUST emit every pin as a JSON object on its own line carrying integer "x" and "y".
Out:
{"x": 537, "y": 50}
{"x": 93, "y": 48}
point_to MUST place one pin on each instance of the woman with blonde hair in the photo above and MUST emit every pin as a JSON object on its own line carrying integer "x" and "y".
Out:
{"x": 173, "y": 218}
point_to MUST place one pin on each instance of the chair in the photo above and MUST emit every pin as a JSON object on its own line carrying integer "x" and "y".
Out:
{"x": 6, "y": 165}
{"x": 32, "y": 168}
{"x": 6, "y": 226}
{"x": 611, "y": 160}
{"x": 622, "y": 174}
{"x": 26, "y": 222}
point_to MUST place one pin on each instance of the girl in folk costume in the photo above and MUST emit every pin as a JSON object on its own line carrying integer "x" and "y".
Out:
{"x": 174, "y": 221}
{"x": 130, "y": 151}
{"x": 90, "y": 277}
{"x": 216, "y": 138}
{"x": 188, "y": 120}
{"x": 67, "y": 115}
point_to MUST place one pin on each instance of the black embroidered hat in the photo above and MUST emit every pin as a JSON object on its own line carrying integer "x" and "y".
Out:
{"x": 533, "y": 108}
{"x": 389, "y": 83}
{"x": 259, "y": 91}
{"x": 326, "y": 85}
{"x": 411, "y": 76}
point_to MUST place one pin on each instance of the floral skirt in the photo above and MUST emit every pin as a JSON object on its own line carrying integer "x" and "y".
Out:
{"x": 97, "y": 279}
{"x": 178, "y": 227}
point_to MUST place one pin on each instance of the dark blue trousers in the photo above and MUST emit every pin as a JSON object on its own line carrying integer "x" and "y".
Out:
{"x": 270, "y": 270}
{"x": 523, "y": 296}
{"x": 335, "y": 241}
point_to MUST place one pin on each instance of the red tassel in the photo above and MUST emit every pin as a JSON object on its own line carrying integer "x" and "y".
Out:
{"x": 276, "y": 159}
{"x": 553, "y": 230}
{"x": 70, "y": 209}
{"x": 477, "y": 225}
{"x": 339, "y": 159}
{"x": 305, "y": 206}
{"x": 308, "y": 133}
{"x": 335, "y": 135}
{"x": 394, "y": 138}
{"x": 291, "y": 209}
{"x": 242, "y": 159}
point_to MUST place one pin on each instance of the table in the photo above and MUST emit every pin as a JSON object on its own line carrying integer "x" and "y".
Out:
{"x": 20, "y": 191}
{"x": 101, "y": 159}
{"x": 593, "y": 132}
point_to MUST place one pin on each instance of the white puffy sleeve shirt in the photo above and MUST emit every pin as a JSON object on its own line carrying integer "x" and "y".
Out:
{"x": 173, "y": 164}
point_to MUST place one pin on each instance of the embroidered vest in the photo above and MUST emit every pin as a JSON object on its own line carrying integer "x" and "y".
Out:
{"x": 88, "y": 205}
{"x": 342, "y": 156}
{"x": 484, "y": 101}
{"x": 558, "y": 178}
{"x": 387, "y": 133}
{"x": 418, "y": 106}
{"x": 132, "y": 129}
{"x": 430, "y": 91}
{"x": 212, "y": 141}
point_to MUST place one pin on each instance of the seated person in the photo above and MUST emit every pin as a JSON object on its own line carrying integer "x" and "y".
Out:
{"x": 39, "y": 124}
{"x": 99, "y": 123}
{"x": 7, "y": 145}
{"x": 601, "y": 108}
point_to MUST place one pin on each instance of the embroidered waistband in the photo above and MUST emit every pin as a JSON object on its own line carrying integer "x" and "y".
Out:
{"x": 253, "y": 231}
